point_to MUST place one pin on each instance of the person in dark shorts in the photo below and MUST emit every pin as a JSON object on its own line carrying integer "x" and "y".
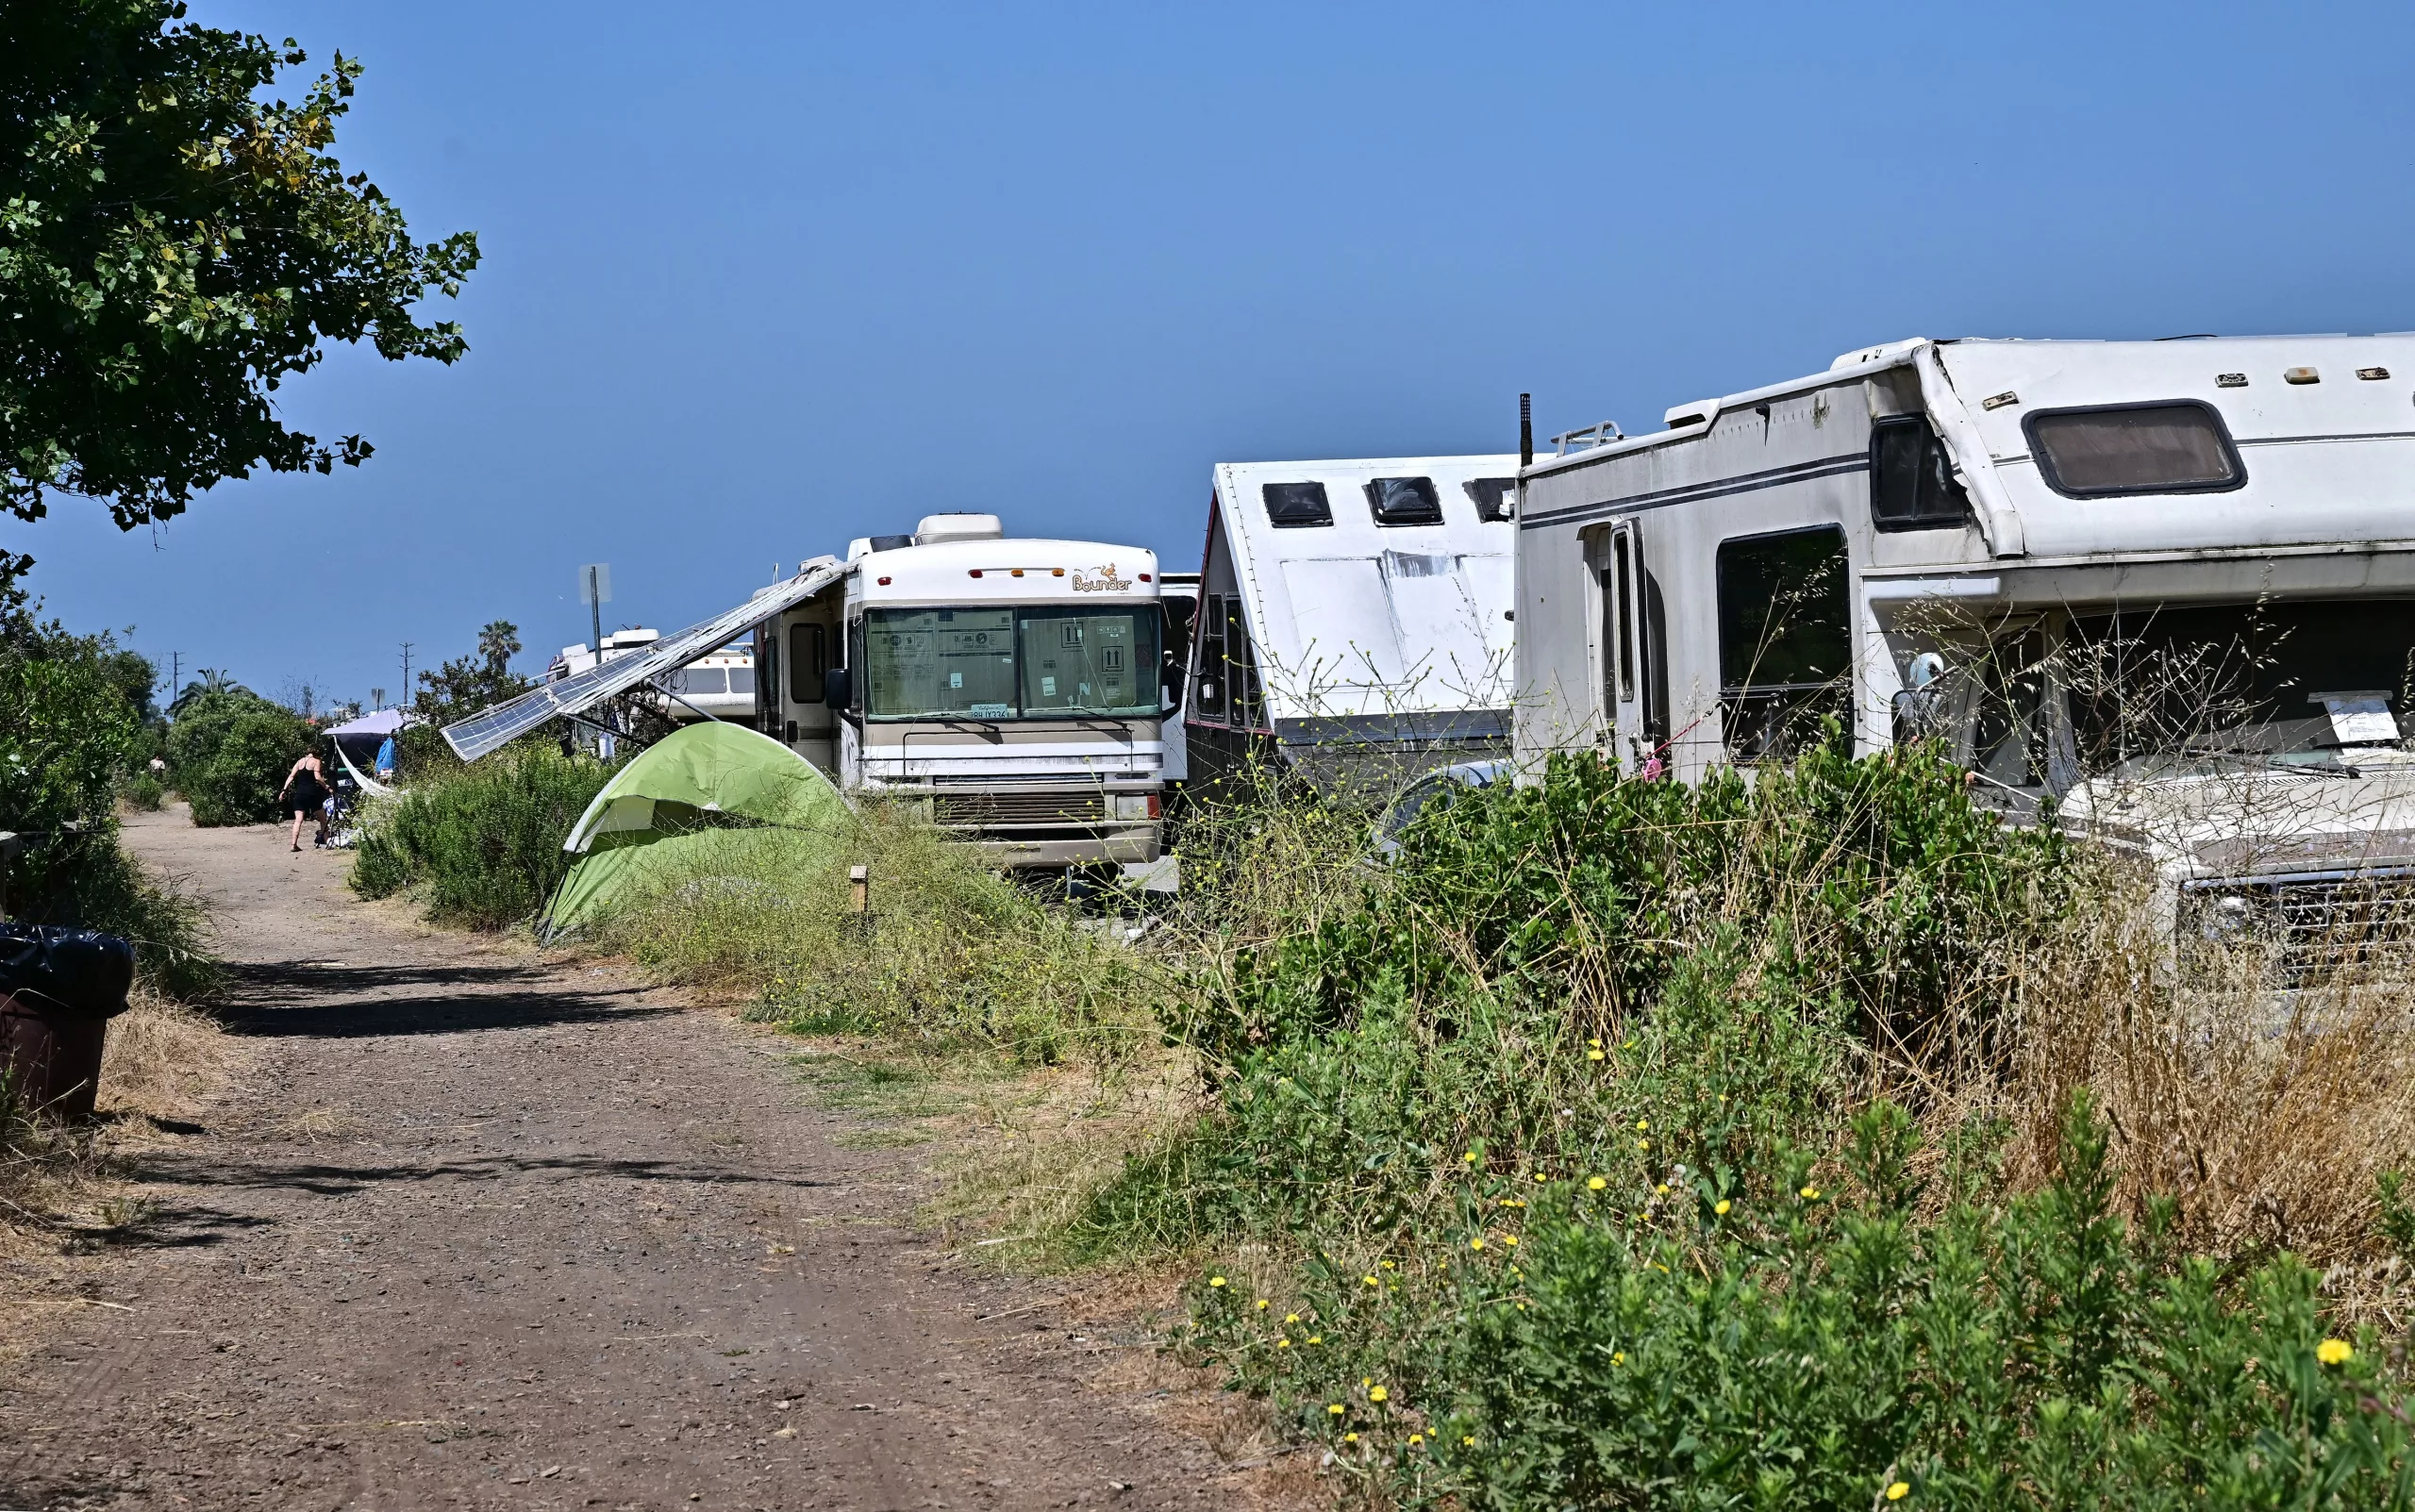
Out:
{"x": 304, "y": 793}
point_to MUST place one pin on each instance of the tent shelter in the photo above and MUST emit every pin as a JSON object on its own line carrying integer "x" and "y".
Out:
{"x": 358, "y": 741}
{"x": 672, "y": 809}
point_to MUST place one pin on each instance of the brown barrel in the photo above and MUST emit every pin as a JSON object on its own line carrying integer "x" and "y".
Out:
{"x": 53, "y": 1055}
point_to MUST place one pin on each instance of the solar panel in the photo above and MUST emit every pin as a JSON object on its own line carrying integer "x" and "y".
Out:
{"x": 505, "y": 723}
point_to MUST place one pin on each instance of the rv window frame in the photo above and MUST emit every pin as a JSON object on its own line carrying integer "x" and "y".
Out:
{"x": 1429, "y": 496}
{"x": 1788, "y": 698}
{"x": 1960, "y": 519}
{"x": 801, "y": 691}
{"x": 2045, "y": 461}
{"x": 1324, "y": 502}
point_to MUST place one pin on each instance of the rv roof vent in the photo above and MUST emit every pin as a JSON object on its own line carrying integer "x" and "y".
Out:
{"x": 934, "y": 528}
{"x": 1697, "y": 413}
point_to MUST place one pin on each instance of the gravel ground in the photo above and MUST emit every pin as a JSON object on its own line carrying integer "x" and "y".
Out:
{"x": 479, "y": 1231}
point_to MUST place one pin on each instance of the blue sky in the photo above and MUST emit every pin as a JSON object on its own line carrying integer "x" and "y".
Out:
{"x": 760, "y": 277}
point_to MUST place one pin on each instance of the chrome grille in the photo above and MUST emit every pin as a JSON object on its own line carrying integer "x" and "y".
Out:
{"x": 2309, "y": 928}
{"x": 982, "y": 811}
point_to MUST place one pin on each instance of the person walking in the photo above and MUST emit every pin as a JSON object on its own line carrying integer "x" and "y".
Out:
{"x": 305, "y": 791}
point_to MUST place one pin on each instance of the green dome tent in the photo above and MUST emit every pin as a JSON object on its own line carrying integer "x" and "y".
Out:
{"x": 669, "y": 812}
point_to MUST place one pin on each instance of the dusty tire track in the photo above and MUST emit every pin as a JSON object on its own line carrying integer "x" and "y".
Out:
{"x": 528, "y": 1245}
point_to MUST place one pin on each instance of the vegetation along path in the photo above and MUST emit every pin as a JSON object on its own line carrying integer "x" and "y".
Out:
{"x": 474, "y": 1231}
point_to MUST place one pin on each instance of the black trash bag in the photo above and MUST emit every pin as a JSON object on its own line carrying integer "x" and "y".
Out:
{"x": 80, "y": 971}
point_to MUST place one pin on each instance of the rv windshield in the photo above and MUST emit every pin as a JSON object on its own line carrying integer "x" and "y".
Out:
{"x": 2320, "y": 683}
{"x": 1037, "y": 661}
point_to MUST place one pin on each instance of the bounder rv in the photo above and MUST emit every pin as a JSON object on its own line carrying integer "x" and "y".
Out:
{"x": 1014, "y": 688}
{"x": 2168, "y": 585}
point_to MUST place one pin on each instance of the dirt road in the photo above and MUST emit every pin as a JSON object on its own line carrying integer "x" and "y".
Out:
{"x": 474, "y": 1232}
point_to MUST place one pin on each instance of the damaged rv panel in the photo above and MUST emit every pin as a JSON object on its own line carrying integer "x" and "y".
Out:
{"x": 1354, "y": 614}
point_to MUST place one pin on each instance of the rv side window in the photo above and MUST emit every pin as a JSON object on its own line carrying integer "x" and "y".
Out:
{"x": 1291, "y": 505}
{"x": 1493, "y": 497}
{"x": 809, "y": 659}
{"x": 1241, "y": 667}
{"x": 1911, "y": 479}
{"x": 2172, "y": 446}
{"x": 741, "y": 682}
{"x": 1403, "y": 502}
{"x": 1621, "y": 578}
{"x": 1784, "y": 645}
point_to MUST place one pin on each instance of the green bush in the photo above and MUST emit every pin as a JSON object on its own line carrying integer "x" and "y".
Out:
{"x": 144, "y": 794}
{"x": 228, "y": 753}
{"x": 482, "y": 846}
{"x": 1615, "y": 1343}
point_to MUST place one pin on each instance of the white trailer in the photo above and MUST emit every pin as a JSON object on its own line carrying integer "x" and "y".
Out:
{"x": 1014, "y": 689}
{"x": 1992, "y": 540}
{"x": 1355, "y": 617}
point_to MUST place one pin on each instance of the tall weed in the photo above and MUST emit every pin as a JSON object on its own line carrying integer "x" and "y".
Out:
{"x": 482, "y": 844}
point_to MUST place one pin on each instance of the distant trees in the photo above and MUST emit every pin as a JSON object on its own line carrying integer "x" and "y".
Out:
{"x": 172, "y": 248}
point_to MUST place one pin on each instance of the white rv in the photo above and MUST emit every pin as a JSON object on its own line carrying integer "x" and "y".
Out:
{"x": 1015, "y": 686}
{"x": 1355, "y": 617}
{"x": 2170, "y": 584}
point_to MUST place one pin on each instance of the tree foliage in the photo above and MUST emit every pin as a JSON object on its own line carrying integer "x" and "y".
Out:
{"x": 172, "y": 248}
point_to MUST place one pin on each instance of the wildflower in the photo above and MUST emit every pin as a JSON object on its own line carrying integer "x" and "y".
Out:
{"x": 1644, "y": 1144}
{"x": 1334, "y": 1409}
{"x": 1469, "y": 1157}
{"x": 1721, "y": 1207}
{"x": 1641, "y": 1124}
{"x": 1282, "y": 1343}
{"x": 2334, "y": 1352}
{"x": 1476, "y": 1243}
{"x": 1316, "y": 1338}
{"x": 1377, "y": 1393}
{"x": 1898, "y": 1491}
{"x": 1629, "y": 1045}
{"x": 1811, "y": 1194}
{"x": 1291, "y": 1318}
{"x": 1215, "y": 1281}
{"x": 1510, "y": 1239}
{"x": 1349, "y": 1438}
{"x": 1595, "y": 1043}
{"x": 1415, "y": 1439}
{"x": 1372, "y": 1282}
{"x": 1261, "y": 1304}
{"x": 1389, "y": 1265}
{"x": 1618, "y": 1357}
{"x": 1468, "y": 1440}
{"x": 1595, "y": 1183}
{"x": 1662, "y": 1189}
{"x": 1594, "y": 1055}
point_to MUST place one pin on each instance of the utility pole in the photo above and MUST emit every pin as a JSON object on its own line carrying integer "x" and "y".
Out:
{"x": 176, "y": 665}
{"x": 596, "y": 591}
{"x": 406, "y": 695}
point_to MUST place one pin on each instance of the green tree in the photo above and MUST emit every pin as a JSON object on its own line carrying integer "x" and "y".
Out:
{"x": 466, "y": 684}
{"x": 172, "y": 248}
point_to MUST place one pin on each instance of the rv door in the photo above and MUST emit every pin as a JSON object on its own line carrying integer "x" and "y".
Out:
{"x": 1627, "y": 671}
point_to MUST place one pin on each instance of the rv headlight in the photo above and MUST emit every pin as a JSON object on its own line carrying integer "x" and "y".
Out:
{"x": 2225, "y": 918}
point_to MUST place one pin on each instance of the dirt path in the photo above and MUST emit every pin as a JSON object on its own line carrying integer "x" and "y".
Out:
{"x": 474, "y": 1232}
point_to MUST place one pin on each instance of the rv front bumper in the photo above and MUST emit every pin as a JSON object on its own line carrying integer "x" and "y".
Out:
{"x": 1050, "y": 824}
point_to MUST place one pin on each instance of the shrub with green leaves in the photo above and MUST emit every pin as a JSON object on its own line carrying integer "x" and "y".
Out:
{"x": 481, "y": 846}
{"x": 1593, "y": 1341}
{"x": 230, "y": 751}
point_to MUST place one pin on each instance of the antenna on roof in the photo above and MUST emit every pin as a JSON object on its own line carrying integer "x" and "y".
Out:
{"x": 1525, "y": 430}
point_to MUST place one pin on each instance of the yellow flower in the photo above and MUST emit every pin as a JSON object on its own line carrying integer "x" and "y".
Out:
{"x": 1510, "y": 1239}
{"x": 1261, "y": 1304}
{"x": 1629, "y": 1045}
{"x": 1469, "y": 1157}
{"x": 1595, "y": 1183}
{"x": 1595, "y": 1043}
{"x": 1898, "y": 1491}
{"x": 1415, "y": 1439}
{"x": 1594, "y": 1055}
{"x": 1316, "y": 1338}
{"x": 1468, "y": 1440}
{"x": 1644, "y": 1144}
{"x": 2334, "y": 1352}
{"x": 1618, "y": 1357}
{"x": 1475, "y": 1245}
{"x": 1377, "y": 1393}
{"x": 1335, "y": 1408}
{"x": 1389, "y": 1265}
{"x": 1282, "y": 1343}
{"x": 1721, "y": 1207}
{"x": 1662, "y": 1189}
{"x": 1291, "y": 1318}
{"x": 1372, "y": 1282}
{"x": 1215, "y": 1281}
{"x": 1349, "y": 1438}
{"x": 1811, "y": 1194}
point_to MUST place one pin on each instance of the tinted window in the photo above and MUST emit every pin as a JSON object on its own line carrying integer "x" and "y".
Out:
{"x": 1208, "y": 694}
{"x": 1289, "y": 505}
{"x": 1492, "y": 496}
{"x": 1405, "y": 502}
{"x": 1089, "y": 661}
{"x": 694, "y": 681}
{"x": 741, "y": 680}
{"x": 940, "y": 661}
{"x": 2178, "y": 447}
{"x": 1911, "y": 479}
{"x": 809, "y": 659}
{"x": 1785, "y": 644}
